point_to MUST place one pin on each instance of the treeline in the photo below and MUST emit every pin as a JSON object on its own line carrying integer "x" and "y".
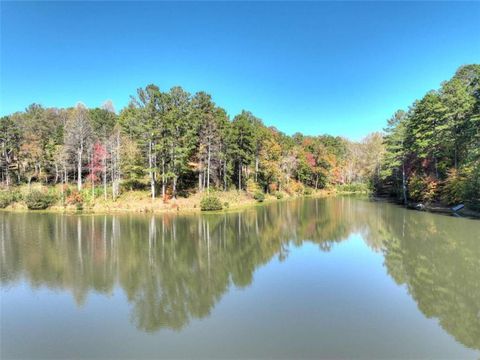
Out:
{"x": 173, "y": 143}
{"x": 433, "y": 148}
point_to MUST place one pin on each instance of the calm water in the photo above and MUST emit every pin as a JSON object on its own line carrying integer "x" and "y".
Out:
{"x": 325, "y": 278}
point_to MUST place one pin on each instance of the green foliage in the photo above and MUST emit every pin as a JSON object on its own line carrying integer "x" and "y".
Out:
{"x": 9, "y": 197}
{"x": 472, "y": 188}
{"x": 454, "y": 188}
{"x": 210, "y": 202}
{"x": 278, "y": 195}
{"x": 307, "y": 191}
{"x": 438, "y": 137}
{"x": 252, "y": 187}
{"x": 259, "y": 196}
{"x": 352, "y": 188}
{"x": 173, "y": 142}
{"x": 39, "y": 200}
{"x": 423, "y": 188}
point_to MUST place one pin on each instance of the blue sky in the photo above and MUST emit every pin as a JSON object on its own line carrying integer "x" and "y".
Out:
{"x": 316, "y": 67}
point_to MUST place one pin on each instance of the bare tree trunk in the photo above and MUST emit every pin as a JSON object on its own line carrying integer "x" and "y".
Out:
{"x": 150, "y": 170}
{"x": 174, "y": 180}
{"x": 62, "y": 190}
{"x": 224, "y": 175}
{"x": 240, "y": 175}
{"x": 174, "y": 187}
{"x": 92, "y": 179}
{"x": 79, "y": 169}
{"x": 404, "y": 184}
{"x": 163, "y": 177}
{"x": 104, "y": 160}
{"x": 200, "y": 181}
{"x": 56, "y": 173}
{"x": 208, "y": 167}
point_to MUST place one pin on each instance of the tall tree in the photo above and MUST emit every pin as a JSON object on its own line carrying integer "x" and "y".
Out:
{"x": 78, "y": 136}
{"x": 243, "y": 142}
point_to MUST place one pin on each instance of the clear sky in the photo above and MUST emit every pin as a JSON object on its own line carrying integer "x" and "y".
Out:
{"x": 317, "y": 67}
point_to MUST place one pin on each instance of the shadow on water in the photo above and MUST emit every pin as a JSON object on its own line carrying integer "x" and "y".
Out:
{"x": 173, "y": 268}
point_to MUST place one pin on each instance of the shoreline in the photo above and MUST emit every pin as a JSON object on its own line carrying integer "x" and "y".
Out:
{"x": 140, "y": 203}
{"x": 434, "y": 208}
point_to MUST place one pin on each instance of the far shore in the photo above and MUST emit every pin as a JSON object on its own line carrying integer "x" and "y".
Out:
{"x": 141, "y": 202}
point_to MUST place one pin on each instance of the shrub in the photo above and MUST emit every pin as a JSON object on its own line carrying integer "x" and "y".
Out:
{"x": 307, "y": 191}
{"x": 259, "y": 196}
{"x": 272, "y": 187}
{"x": 472, "y": 188}
{"x": 75, "y": 198}
{"x": 423, "y": 188}
{"x": 352, "y": 188}
{"x": 210, "y": 203}
{"x": 454, "y": 188}
{"x": 278, "y": 195}
{"x": 7, "y": 197}
{"x": 294, "y": 188}
{"x": 252, "y": 186}
{"x": 38, "y": 200}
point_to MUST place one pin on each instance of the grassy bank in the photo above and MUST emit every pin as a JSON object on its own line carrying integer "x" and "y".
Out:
{"x": 138, "y": 201}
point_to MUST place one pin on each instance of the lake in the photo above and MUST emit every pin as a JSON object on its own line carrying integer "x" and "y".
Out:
{"x": 339, "y": 277}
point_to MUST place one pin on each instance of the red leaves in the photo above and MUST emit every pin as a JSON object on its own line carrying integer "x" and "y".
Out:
{"x": 97, "y": 161}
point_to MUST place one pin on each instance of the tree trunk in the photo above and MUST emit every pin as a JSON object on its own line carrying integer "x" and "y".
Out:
{"x": 224, "y": 175}
{"x": 174, "y": 187}
{"x": 92, "y": 176}
{"x": 208, "y": 168}
{"x": 240, "y": 167}
{"x": 79, "y": 169}
{"x": 56, "y": 173}
{"x": 199, "y": 180}
{"x": 404, "y": 184}
{"x": 150, "y": 170}
{"x": 163, "y": 177}
{"x": 104, "y": 176}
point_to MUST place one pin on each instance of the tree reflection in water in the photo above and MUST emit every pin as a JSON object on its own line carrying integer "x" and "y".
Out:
{"x": 175, "y": 268}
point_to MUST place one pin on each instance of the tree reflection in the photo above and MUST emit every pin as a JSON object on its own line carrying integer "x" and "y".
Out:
{"x": 438, "y": 259}
{"x": 176, "y": 268}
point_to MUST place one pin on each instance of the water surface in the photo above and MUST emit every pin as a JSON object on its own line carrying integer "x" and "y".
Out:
{"x": 313, "y": 278}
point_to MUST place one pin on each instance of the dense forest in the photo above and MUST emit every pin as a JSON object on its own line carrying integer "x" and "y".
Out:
{"x": 173, "y": 143}
{"x": 432, "y": 150}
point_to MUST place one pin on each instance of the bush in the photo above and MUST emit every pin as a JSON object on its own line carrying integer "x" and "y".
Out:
{"x": 472, "y": 188}
{"x": 352, "y": 188}
{"x": 278, "y": 195}
{"x": 210, "y": 203}
{"x": 423, "y": 188}
{"x": 454, "y": 189}
{"x": 38, "y": 200}
{"x": 259, "y": 196}
{"x": 294, "y": 188}
{"x": 7, "y": 197}
{"x": 252, "y": 186}
{"x": 75, "y": 198}
{"x": 307, "y": 191}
